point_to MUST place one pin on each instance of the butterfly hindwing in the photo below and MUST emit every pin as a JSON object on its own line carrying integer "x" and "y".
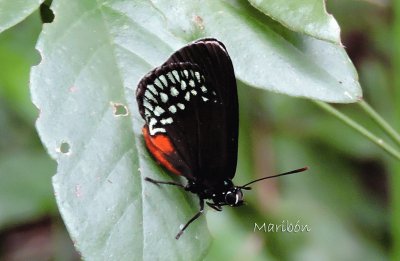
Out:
{"x": 192, "y": 100}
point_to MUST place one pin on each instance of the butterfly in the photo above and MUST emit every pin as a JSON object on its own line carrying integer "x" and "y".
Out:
{"x": 190, "y": 108}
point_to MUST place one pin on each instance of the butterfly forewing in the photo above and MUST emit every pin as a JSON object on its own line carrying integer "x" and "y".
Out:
{"x": 192, "y": 101}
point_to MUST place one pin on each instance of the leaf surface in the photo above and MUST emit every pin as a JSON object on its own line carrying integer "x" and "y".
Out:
{"x": 13, "y": 12}
{"x": 93, "y": 56}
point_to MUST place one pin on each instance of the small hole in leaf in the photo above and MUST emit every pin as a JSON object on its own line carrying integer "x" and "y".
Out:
{"x": 119, "y": 109}
{"x": 65, "y": 147}
{"x": 198, "y": 21}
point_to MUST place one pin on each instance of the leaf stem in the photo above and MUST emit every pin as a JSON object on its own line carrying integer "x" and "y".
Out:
{"x": 372, "y": 137}
{"x": 380, "y": 121}
{"x": 394, "y": 178}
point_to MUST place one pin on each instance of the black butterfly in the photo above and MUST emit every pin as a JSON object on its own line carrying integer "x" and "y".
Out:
{"x": 190, "y": 106}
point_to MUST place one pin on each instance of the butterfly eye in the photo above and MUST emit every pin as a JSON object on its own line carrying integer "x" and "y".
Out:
{"x": 230, "y": 198}
{"x": 234, "y": 197}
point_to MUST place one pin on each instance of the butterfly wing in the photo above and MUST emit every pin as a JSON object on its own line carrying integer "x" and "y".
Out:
{"x": 192, "y": 101}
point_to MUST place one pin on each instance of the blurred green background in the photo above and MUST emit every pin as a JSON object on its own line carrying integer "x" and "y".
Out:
{"x": 344, "y": 198}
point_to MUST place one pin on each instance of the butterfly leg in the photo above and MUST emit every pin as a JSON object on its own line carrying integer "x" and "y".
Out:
{"x": 214, "y": 206}
{"x": 192, "y": 219}
{"x": 163, "y": 182}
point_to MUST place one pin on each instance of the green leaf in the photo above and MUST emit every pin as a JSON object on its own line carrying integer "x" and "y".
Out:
{"x": 25, "y": 190}
{"x": 304, "y": 16}
{"x": 306, "y": 199}
{"x": 17, "y": 55}
{"x": 13, "y": 12}
{"x": 94, "y": 54}
{"x": 265, "y": 54}
{"x": 93, "y": 58}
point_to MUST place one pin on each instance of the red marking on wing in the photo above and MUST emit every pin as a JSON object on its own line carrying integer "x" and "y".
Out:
{"x": 163, "y": 143}
{"x": 160, "y": 146}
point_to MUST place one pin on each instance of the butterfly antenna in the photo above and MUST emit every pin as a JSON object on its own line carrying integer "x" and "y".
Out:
{"x": 274, "y": 176}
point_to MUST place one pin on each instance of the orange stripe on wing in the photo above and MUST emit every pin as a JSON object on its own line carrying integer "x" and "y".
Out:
{"x": 163, "y": 143}
{"x": 159, "y": 146}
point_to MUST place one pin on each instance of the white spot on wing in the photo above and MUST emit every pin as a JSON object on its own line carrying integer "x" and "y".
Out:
{"x": 183, "y": 85}
{"x": 197, "y": 74}
{"x": 158, "y": 84}
{"x": 156, "y": 130}
{"x": 176, "y": 75}
{"x": 172, "y": 108}
{"x": 191, "y": 83}
{"x": 152, "y": 130}
{"x": 150, "y": 96}
{"x": 204, "y": 98}
{"x": 147, "y": 105}
{"x": 158, "y": 111}
{"x": 187, "y": 96}
{"x": 167, "y": 121}
{"x": 174, "y": 91}
{"x": 164, "y": 97}
{"x": 152, "y": 122}
{"x": 181, "y": 106}
{"x": 164, "y": 80}
{"x": 203, "y": 88}
{"x": 152, "y": 89}
{"x": 194, "y": 92}
{"x": 171, "y": 77}
{"x": 186, "y": 73}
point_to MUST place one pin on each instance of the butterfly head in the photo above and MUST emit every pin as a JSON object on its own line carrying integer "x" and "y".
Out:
{"x": 234, "y": 197}
{"x": 228, "y": 195}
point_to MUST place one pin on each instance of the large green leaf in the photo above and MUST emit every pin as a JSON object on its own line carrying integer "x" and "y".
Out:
{"x": 13, "y": 12}
{"x": 94, "y": 54}
{"x": 304, "y": 16}
{"x": 85, "y": 73}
